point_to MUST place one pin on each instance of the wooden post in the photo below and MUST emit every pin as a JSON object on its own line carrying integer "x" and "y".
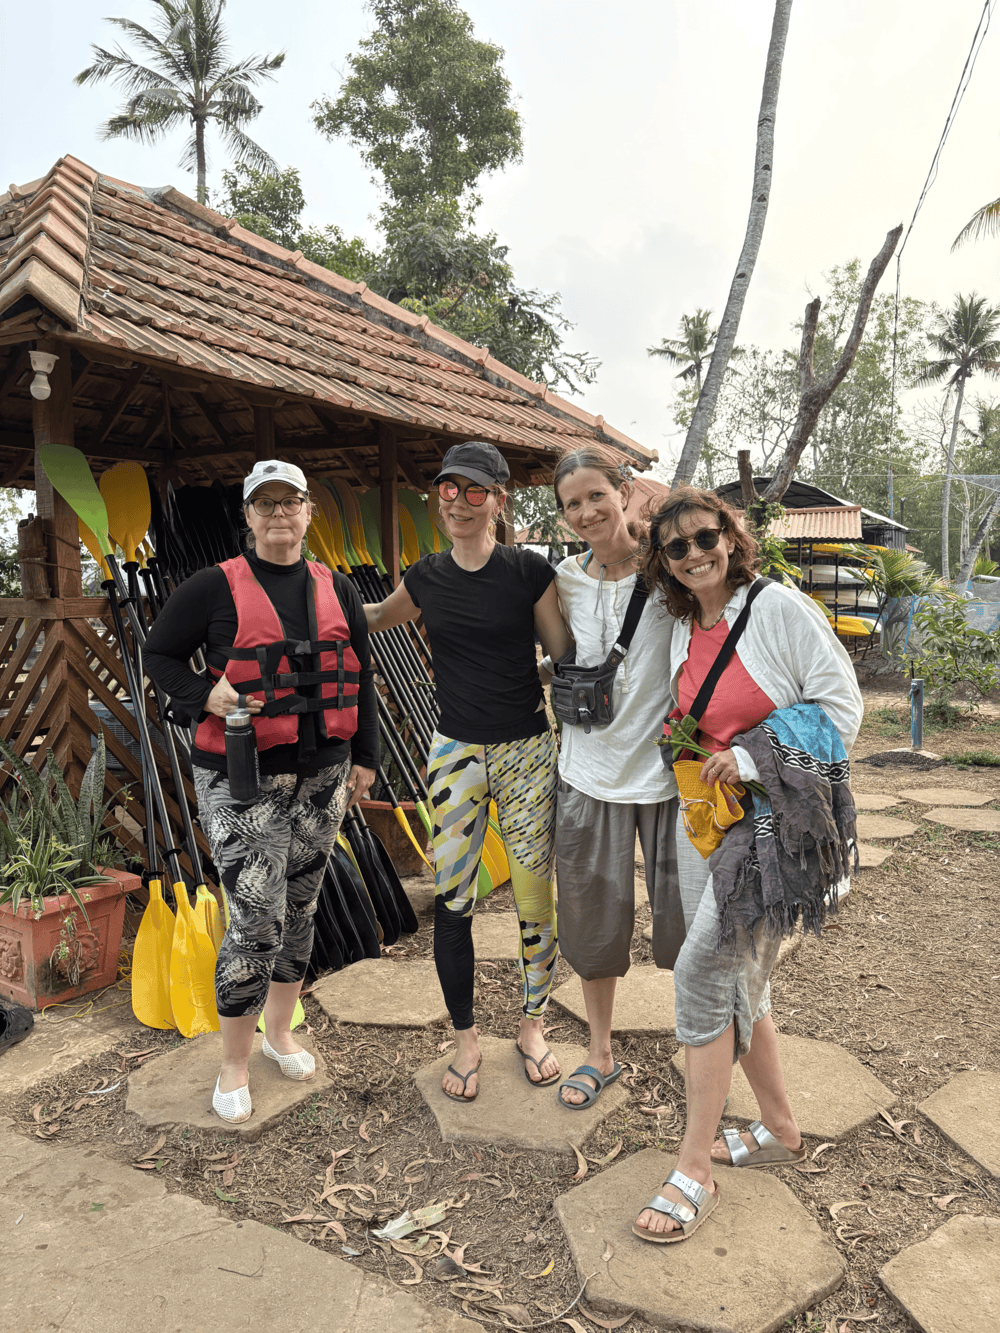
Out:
{"x": 263, "y": 433}
{"x": 52, "y": 419}
{"x": 387, "y": 477}
{"x": 505, "y": 524}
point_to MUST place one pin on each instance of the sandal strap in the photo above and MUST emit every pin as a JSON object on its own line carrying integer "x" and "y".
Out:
{"x": 676, "y": 1211}
{"x": 537, "y": 1063}
{"x": 591, "y": 1093}
{"x": 694, "y": 1193}
{"x": 464, "y": 1077}
{"x": 739, "y": 1153}
{"x": 593, "y": 1073}
{"x": 764, "y": 1137}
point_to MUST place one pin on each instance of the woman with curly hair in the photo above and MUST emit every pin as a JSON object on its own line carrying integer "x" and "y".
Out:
{"x": 783, "y": 714}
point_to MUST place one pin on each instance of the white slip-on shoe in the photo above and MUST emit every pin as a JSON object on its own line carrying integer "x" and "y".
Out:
{"x": 232, "y": 1106}
{"x": 300, "y": 1066}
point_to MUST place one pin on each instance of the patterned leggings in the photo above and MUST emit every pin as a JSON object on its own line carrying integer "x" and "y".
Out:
{"x": 521, "y": 777}
{"x": 271, "y": 855}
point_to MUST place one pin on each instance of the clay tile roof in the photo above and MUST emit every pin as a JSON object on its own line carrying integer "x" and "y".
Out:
{"x": 841, "y": 523}
{"x": 156, "y": 274}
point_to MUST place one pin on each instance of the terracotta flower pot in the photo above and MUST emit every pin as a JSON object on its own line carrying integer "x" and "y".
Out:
{"x": 56, "y": 956}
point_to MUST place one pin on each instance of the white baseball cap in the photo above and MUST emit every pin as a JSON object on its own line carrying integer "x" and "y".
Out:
{"x": 273, "y": 469}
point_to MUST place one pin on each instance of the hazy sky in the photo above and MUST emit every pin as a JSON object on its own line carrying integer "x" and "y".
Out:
{"x": 639, "y": 126}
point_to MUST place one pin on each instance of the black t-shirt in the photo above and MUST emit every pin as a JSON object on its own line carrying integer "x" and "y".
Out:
{"x": 482, "y": 634}
{"x": 201, "y": 613}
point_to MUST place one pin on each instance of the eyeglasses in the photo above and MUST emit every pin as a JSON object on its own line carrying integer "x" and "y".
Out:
{"x": 475, "y": 495}
{"x": 265, "y": 506}
{"x": 706, "y": 539}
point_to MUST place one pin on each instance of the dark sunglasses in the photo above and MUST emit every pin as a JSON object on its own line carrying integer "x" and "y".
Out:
{"x": 475, "y": 495}
{"x": 706, "y": 539}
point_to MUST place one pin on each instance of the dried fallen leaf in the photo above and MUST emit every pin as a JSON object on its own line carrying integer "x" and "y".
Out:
{"x": 583, "y": 1168}
{"x": 337, "y": 1230}
{"x": 519, "y": 1312}
{"x": 472, "y": 1175}
{"x": 446, "y": 1269}
{"x": 443, "y": 1046}
{"x": 273, "y": 1198}
{"x": 544, "y": 1273}
{"x": 810, "y": 1169}
{"x": 916, "y": 1137}
{"x": 609, "y": 1156}
{"x": 154, "y": 1151}
{"x": 945, "y": 1200}
{"x": 835, "y": 1208}
{"x": 144, "y": 1166}
{"x": 383, "y": 1172}
{"x": 228, "y": 1176}
{"x": 574, "y": 1324}
{"x": 603, "y": 1323}
{"x": 363, "y": 1132}
{"x": 134, "y": 1055}
{"x": 608, "y": 1254}
{"x": 411, "y": 1281}
{"x": 821, "y": 1149}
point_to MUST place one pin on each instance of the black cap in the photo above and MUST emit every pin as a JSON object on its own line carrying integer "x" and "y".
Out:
{"x": 476, "y": 460}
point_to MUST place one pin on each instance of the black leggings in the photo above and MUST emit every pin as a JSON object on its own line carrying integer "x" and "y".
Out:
{"x": 455, "y": 961}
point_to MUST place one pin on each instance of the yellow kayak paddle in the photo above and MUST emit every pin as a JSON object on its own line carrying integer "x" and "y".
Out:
{"x": 192, "y": 971}
{"x": 151, "y": 963}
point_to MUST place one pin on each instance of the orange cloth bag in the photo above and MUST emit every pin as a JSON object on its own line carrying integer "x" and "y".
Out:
{"x": 708, "y": 810}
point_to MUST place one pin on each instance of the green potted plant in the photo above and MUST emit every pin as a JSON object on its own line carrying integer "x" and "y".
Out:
{"x": 62, "y": 901}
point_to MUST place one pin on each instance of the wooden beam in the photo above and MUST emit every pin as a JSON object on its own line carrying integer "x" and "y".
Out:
{"x": 410, "y": 469}
{"x": 213, "y": 419}
{"x": 14, "y": 373}
{"x": 10, "y": 474}
{"x": 505, "y": 524}
{"x": 389, "y": 511}
{"x": 517, "y": 472}
{"x": 263, "y": 432}
{"x": 52, "y": 419}
{"x": 117, "y": 406}
{"x": 359, "y": 468}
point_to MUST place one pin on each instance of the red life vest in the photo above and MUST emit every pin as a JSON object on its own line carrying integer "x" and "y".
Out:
{"x": 258, "y": 664}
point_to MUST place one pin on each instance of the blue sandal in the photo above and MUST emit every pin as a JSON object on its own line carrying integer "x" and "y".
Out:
{"x": 591, "y": 1094}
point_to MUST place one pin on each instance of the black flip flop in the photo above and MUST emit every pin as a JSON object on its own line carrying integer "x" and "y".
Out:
{"x": 540, "y": 1082}
{"x": 465, "y": 1079}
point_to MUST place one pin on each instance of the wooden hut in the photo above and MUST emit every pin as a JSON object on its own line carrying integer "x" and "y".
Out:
{"x": 195, "y": 347}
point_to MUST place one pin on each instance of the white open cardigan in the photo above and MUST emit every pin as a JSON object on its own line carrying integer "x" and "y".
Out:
{"x": 792, "y": 654}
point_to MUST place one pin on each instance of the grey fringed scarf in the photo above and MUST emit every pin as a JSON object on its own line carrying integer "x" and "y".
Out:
{"x": 787, "y": 861}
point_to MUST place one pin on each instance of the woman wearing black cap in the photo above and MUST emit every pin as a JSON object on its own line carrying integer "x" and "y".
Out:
{"x": 482, "y": 603}
{"x": 318, "y": 745}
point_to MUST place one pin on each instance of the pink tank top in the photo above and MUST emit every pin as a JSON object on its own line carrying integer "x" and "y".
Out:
{"x": 737, "y": 703}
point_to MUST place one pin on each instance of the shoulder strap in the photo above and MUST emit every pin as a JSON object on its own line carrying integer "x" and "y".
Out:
{"x": 633, "y": 611}
{"x": 704, "y": 695}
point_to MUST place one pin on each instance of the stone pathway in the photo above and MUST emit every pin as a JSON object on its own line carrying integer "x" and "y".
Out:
{"x": 89, "y": 1244}
{"x": 511, "y": 1112}
{"x": 381, "y": 993}
{"x": 968, "y": 821}
{"x": 176, "y": 1088}
{"x": 874, "y": 801}
{"x": 831, "y": 1091}
{"x": 965, "y": 1111}
{"x": 946, "y": 796}
{"x": 950, "y": 1282}
{"x": 884, "y": 826}
{"x": 758, "y": 1261}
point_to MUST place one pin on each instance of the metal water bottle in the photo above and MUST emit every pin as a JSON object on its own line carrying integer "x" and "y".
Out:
{"x": 241, "y": 755}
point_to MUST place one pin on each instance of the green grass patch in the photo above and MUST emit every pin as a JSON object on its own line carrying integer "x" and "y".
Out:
{"x": 975, "y": 759}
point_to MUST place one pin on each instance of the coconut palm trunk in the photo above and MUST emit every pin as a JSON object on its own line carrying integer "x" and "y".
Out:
{"x": 704, "y": 410}
{"x": 949, "y": 468}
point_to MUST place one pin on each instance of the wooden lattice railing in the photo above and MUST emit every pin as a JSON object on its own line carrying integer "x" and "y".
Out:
{"x": 57, "y": 659}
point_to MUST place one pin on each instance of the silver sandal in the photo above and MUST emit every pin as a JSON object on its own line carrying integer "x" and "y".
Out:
{"x": 687, "y": 1221}
{"x": 769, "y": 1152}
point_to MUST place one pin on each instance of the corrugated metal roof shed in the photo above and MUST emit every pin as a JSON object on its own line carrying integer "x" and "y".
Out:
{"x": 834, "y": 523}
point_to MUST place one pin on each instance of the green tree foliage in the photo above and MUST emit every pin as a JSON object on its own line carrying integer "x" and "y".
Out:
{"x": 965, "y": 341}
{"x": 427, "y": 104}
{"x": 184, "y": 76}
{"x": 535, "y": 509}
{"x": 10, "y": 570}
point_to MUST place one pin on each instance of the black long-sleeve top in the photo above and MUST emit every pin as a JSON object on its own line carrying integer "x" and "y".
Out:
{"x": 201, "y": 613}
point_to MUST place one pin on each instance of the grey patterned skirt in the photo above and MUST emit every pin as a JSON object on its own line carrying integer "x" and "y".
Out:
{"x": 271, "y": 856}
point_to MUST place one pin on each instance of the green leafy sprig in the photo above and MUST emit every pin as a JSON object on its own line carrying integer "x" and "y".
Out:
{"x": 681, "y": 738}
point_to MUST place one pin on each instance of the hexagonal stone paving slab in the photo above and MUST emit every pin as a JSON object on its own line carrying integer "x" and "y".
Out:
{"x": 831, "y": 1092}
{"x": 950, "y": 1282}
{"x": 509, "y": 1111}
{"x": 965, "y": 1111}
{"x": 866, "y": 800}
{"x": 884, "y": 826}
{"x": 759, "y": 1260}
{"x": 381, "y": 993}
{"x": 966, "y": 821}
{"x": 495, "y": 935}
{"x": 946, "y": 796}
{"x": 644, "y": 1000}
{"x": 176, "y": 1088}
{"x": 869, "y": 857}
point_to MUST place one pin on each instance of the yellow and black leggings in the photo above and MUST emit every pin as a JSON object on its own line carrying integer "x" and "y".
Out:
{"x": 521, "y": 777}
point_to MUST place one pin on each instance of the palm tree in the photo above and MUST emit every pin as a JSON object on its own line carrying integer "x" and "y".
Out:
{"x": 188, "y": 80}
{"x": 966, "y": 341}
{"x": 692, "y": 349}
{"x": 985, "y": 221}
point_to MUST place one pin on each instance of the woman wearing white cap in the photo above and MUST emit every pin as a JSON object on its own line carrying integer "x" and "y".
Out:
{"x": 264, "y": 616}
{"x": 481, "y": 604}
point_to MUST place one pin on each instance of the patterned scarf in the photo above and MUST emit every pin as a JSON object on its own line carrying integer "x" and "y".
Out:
{"x": 788, "y": 861}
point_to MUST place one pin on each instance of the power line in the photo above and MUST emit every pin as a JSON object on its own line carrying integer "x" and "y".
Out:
{"x": 982, "y": 27}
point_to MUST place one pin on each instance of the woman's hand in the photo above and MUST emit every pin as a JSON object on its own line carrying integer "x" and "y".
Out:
{"x": 359, "y": 782}
{"x": 224, "y": 699}
{"x": 720, "y": 767}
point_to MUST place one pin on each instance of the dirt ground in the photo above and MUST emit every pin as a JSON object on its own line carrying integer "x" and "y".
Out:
{"x": 903, "y": 979}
